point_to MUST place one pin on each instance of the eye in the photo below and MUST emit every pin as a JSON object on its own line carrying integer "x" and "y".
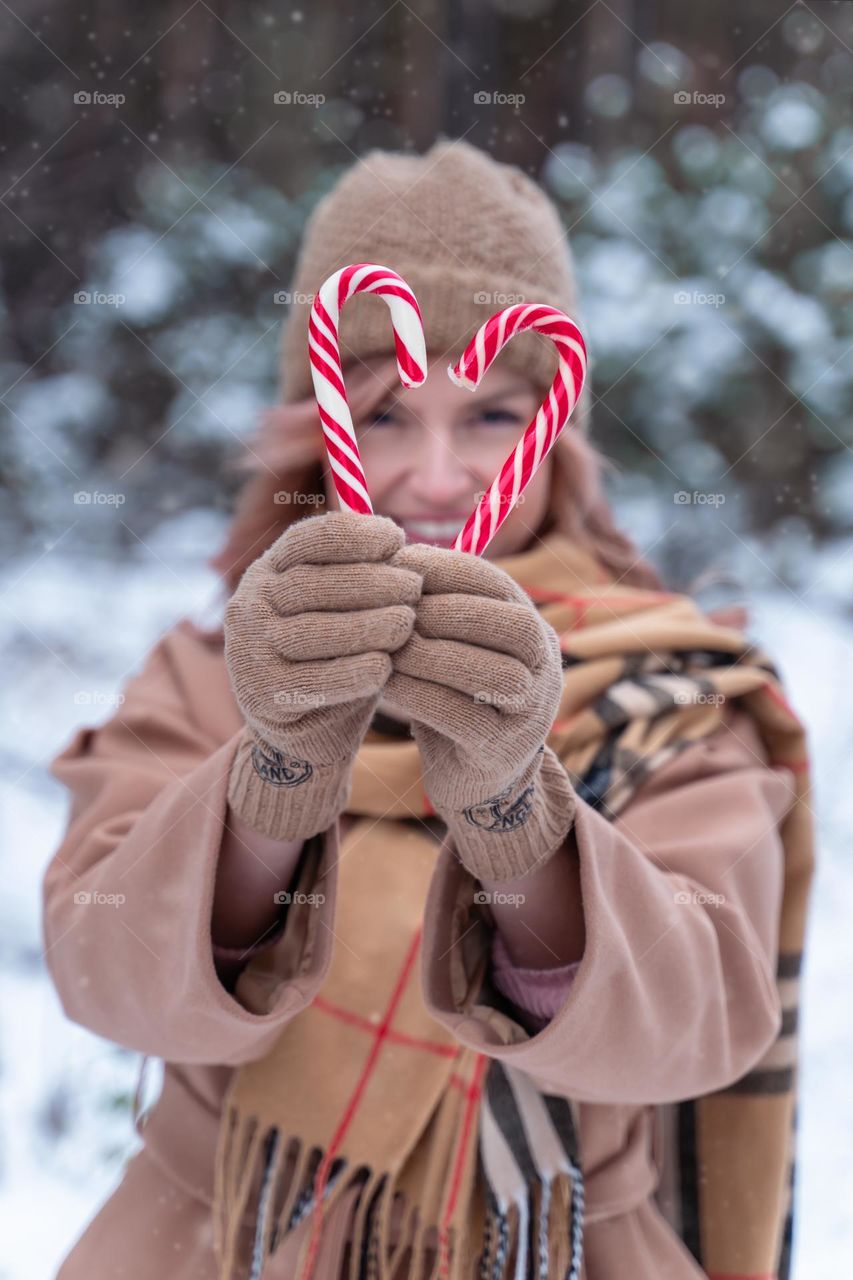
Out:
{"x": 380, "y": 417}
{"x": 499, "y": 415}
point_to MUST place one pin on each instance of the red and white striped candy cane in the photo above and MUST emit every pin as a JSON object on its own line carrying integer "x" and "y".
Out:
{"x": 327, "y": 371}
{"x": 539, "y": 435}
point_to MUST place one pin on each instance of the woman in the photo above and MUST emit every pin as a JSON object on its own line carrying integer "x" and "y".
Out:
{"x": 464, "y": 897}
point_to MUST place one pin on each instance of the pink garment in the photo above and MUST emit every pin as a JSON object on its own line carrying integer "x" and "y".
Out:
{"x": 539, "y": 993}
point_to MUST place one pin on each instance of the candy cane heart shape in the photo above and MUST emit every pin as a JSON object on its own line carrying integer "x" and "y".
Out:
{"x": 522, "y": 464}
{"x": 327, "y": 371}
{"x": 336, "y": 420}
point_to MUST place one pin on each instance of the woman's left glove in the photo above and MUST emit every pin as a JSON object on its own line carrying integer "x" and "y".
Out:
{"x": 480, "y": 678}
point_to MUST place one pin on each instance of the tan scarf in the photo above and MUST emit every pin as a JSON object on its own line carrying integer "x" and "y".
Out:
{"x": 365, "y": 1085}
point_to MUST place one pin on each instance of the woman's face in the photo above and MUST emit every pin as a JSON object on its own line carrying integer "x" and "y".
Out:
{"x": 431, "y": 451}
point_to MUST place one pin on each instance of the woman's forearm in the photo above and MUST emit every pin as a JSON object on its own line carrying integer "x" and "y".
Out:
{"x": 252, "y": 869}
{"x": 540, "y": 917}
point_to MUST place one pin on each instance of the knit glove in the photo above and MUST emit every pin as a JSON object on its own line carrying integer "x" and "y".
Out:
{"x": 308, "y": 638}
{"x": 481, "y": 680}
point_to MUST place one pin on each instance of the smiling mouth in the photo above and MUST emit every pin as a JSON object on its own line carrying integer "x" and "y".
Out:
{"x": 432, "y": 530}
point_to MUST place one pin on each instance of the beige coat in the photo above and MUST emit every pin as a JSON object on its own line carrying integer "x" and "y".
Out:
{"x": 672, "y": 999}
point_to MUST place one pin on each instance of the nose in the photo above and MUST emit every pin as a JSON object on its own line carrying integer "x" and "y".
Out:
{"x": 441, "y": 476}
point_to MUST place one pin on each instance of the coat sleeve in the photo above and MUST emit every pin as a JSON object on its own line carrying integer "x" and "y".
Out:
{"x": 675, "y": 994}
{"x": 127, "y": 898}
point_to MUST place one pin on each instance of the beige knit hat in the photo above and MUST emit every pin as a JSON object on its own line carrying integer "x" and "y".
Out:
{"x": 469, "y": 234}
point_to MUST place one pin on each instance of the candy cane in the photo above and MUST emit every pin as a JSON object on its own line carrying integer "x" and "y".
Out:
{"x": 522, "y": 464}
{"x": 540, "y": 434}
{"x": 327, "y": 371}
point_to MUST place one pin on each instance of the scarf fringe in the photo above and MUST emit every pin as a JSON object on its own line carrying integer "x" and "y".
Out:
{"x": 406, "y": 1246}
{"x": 560, "y": 1210}
{"x": 536, "y": 1239}
{"x": 247, "y": 1154}
{"x": 364, "y": 1258}
{"x": 250, "y": 1155}
{"x": 236, "y": 1159}
{"x": 539, "y": 1239}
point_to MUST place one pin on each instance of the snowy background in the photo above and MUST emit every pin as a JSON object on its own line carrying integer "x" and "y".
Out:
{"x": 713, "y": 242}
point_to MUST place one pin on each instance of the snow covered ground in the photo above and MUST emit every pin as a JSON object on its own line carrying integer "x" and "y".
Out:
{"x": 70, "y": 630}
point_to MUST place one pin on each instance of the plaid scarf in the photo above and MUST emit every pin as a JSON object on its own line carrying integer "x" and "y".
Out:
{"x": 453, "y": 1160}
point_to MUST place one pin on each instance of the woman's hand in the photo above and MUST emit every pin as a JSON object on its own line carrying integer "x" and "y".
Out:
{"x": 481, "y": 679}
{"x": 308, "y": 638}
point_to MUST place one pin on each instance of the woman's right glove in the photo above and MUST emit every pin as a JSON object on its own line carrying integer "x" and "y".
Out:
{"x": 308, "y": 638}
